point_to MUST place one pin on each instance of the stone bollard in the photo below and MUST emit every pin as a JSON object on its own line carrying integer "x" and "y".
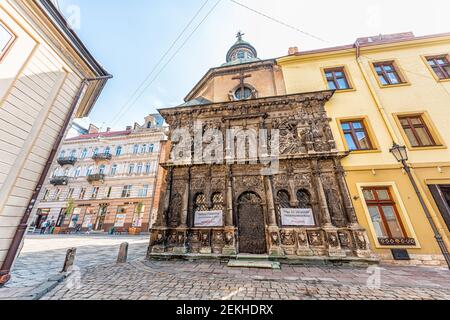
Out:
{"x": 123, "y": 253}
{"x": 70, "y": 259}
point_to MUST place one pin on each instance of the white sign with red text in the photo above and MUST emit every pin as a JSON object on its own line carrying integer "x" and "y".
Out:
{"x": 208, "y": 219}
{"x": 297, "y": 217}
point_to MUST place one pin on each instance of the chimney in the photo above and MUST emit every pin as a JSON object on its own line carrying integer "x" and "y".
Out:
{"x": 108, "y": 129}
{"x": 93, "y": 129}
{"x": 293, "y": 50}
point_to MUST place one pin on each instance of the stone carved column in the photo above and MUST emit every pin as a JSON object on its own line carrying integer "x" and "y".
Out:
{"x": 325, "y": 212}
{"x": 162, "y": 214}
{"x": 270, "y": 202}
{"x": 185, "y": 209}
{"x": 349, "y": 208}
{"x": 229, "y": 212}
{"x": 273, "y": 229}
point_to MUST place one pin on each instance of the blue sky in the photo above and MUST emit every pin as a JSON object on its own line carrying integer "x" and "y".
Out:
{"x": 129, "y": 37}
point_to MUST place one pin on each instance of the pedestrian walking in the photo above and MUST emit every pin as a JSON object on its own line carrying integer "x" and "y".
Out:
{"x": 44, "y": 227}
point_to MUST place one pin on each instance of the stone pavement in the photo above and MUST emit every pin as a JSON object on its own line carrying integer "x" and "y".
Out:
{"x": 42, "y": 257}
{"x": 143, "y": 280}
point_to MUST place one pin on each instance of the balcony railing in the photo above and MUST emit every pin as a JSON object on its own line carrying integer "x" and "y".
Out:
{"x": 102, "y": 157}
{"x": 60, "y": 181}
{"x": 67, "y": 161}
{"x": 96, "y": 178}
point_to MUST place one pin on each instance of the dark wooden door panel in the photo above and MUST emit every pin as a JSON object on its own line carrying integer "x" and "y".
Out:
{"x": 252, "y": 232}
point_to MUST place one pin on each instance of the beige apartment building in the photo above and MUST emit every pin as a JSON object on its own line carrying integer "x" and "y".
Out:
{"x": 103, "y": 181}
{"x": 47, "y": 77}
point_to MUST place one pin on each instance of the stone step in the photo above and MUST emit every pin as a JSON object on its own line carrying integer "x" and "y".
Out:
{"x": 245, "y": 256}
{"x": 257, "y": 264}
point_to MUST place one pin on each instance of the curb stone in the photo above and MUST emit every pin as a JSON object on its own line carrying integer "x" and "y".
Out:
{"x": 42, "y": 289}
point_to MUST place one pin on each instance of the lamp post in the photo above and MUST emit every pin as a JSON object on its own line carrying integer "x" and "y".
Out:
{"x": 400, "y": 153}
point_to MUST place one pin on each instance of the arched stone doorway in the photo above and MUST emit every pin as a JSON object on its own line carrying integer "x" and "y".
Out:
{"x": 251, "y": 224}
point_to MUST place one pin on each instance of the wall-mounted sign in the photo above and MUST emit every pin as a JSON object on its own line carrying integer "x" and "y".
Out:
{"x": 208, "y": 219}
{"x": 297, "y": 217}
{"x": 120, "y": 220}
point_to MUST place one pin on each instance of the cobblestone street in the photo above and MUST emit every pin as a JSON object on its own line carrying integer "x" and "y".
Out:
{"x": 100, "y": 278}
{"x": 140, "y": 280}
{"x": 43, "y": 257}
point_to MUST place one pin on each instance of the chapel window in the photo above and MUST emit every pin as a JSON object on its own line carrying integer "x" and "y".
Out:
{"x": 218, "y": 201}
{"x": 243, "y": 94}
{"x": 200, "y": 203}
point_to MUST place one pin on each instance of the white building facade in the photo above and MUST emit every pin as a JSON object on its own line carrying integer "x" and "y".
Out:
{"x": 103, "y": 181}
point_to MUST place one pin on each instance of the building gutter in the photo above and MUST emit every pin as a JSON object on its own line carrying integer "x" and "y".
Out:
{"x": 5, "y": 271}
{"x": 61, "y": 24}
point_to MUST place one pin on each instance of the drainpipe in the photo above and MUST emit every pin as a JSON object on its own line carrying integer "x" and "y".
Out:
{"x": 5, "y": 271}
{"x": 380, "y": 108}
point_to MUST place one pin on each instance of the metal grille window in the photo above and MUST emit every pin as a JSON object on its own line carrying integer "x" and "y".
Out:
{"x": 283, "y": 199}
{"x": 440, "y": 66}
{"x": 200, "y": 203}
{"x": 218, "y": 200}
{"x": 417, "y": 131}
{"x": 304, "y": 199}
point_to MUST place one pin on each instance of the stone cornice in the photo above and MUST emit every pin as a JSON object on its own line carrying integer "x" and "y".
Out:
{"x": 239, "y": 106}
{"x": 154, "y": 134}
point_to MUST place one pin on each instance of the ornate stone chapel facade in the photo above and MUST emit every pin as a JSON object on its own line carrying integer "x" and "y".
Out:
{"x": 242, "y": 205}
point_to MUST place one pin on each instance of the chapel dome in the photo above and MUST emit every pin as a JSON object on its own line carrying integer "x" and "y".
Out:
{"x": 241, "y": 52}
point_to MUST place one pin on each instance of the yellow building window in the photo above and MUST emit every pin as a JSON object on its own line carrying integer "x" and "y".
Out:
{"x": 356, "y": 135}
{"x": 440, "y": 66}
{"x": 417, "y": 131}
{"x": 337, "y": 79}
{"x": 7, "y": 38}
{"x": 385, "y": 217}
{"x": 388, "y": 73}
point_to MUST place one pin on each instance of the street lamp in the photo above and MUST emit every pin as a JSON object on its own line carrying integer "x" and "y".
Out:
{"x": 401, "y": 154}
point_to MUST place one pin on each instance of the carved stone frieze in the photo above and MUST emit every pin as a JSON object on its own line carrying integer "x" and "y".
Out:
{"x": 249, "y": 198}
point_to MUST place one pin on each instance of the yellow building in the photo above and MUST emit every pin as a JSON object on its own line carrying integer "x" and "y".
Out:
{"x": 391, "y": 88}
